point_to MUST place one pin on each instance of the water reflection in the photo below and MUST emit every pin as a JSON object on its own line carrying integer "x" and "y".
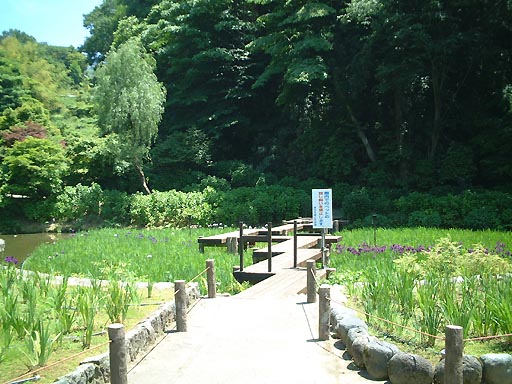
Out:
{"x": 21, "y": 246}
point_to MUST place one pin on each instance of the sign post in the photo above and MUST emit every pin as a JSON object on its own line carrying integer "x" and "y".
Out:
{"x": 322, "y": 214}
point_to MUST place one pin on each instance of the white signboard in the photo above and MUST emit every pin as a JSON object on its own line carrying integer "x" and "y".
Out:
{"x": 322, "y": 208}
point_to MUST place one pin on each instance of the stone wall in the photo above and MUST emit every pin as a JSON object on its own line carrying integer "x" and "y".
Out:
{"x": 385, "y": 361}
{"x": 96, "y": 370}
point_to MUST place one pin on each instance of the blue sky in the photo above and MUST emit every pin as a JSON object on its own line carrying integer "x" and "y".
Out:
{"x": 56, "y": 22}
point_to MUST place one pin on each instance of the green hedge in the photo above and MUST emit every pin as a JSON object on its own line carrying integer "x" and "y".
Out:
{"x": 258, "y": 205}
{"x": 262, "y": 204}
{"x": 470, "y": 210}
{"x": 252, "y": 205}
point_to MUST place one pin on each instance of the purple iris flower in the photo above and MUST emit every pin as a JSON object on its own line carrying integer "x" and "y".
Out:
{"x": 11, "y": 260}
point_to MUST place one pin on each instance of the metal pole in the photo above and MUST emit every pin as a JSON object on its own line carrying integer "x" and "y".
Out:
{"x": 374, "y": 216}
{"x": 324, "y": 264}
{"x": 241, "y": 245}
{"x": 117, "y": 354}
{"x": 269, "y": 225}
{"x": 294, "y": 243}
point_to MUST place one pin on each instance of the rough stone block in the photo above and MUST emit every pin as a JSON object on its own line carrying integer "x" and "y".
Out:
{"x": 338, "y": 312}
{"x": 471, "y": 371}
{"x": 376, "y": 356}
{"x": 353, "y": 334}
{"x": 497, "y": 368}
{"x": 346, "y": 324}
{"x": 407, "y": 368}
{"x": 357, "y": 348}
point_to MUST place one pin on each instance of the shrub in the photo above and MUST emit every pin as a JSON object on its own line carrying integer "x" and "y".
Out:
{"x": 482, "y": 218}
{"x": 380, "y": 221}
{"x": 450, "y": 208}
{"x": 79, "y": 201}
{"x": 115, "y": 207}
{"x": 426, "y": 218}
{"x": 243, "y": 175}
{"x": 217, "y": 183}
{"x": 38, "y": 210}
{"x": 357, "y": 204}
{"x": 506, "y": 219}
{"x": 259, "y": 205}
{"x": 414, "y": 201}
{"x": 34, "y": 167}
{"x": 171, "y": 208}
{"x": 474, "y": 210}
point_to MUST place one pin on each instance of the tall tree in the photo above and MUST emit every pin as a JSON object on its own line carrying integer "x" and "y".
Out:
{"x": 203, "y": 61}
{"x": 34, "y": 167}
{"x": 102, "y": 23}
{"x": 429, "y": 73}
{"x": 129, "y": 101}
{"x": 295, "y": 38}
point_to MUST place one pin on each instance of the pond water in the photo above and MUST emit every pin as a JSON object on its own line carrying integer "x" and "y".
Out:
{"x": 21, "y": 246}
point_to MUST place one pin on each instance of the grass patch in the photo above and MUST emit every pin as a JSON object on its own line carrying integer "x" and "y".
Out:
{"x": 62, "y": 360}
{"x": 75, "y": 318}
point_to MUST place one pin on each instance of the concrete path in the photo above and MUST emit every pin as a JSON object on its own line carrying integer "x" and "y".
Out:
{"x": 234, "y": 340}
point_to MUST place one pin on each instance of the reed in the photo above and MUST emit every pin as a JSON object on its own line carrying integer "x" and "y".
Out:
{"x": 430, "y": 318}
{"x": 430, "y": 278}
{"x": 88, "y": 303}
{"x": 118, "y": 299}
{"x": 152, "y": 256}
{"x": 39, "y": 345}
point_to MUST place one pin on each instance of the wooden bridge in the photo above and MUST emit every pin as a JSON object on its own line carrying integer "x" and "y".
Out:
{"x": 279, "y": 266}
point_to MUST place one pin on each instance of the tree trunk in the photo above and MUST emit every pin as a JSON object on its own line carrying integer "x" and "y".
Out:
{"x": 142, "y": 178}
{"x": 437, "y": 88}
{"x": 362, "y": 136}
{"x": 400, "y": 134}
{"x": 342, "y": 100}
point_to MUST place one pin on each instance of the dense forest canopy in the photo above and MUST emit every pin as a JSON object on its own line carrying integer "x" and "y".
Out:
{"x": 402, "y": 95}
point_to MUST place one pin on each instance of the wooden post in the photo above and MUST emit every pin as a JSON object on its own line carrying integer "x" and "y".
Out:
{"x": 311, "y": 283}
{"x": 269, "y": 225}
{"x": 294, "y": 243}
{"x": 324, "y": 311}
{"x": 335, "y": 226}
{"x": 210, "y": 278}
{"x": 231, "y": 243}
{"x": 454, "y": 350}
{"x": 117, "y": 354}
{"x": 329, "y": 272}
{"x": 180, "y": 300}
{"x": 241, "y": 245}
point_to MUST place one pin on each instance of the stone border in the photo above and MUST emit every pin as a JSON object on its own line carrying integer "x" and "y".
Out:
{"x": 96, "y": 369}
{"x": 384, "y": 361}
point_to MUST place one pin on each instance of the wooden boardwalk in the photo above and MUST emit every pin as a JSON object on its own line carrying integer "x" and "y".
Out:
{"x": 251, "y": 235}
{"x": 278, "y": 276}
{"x": 286, "y": 283}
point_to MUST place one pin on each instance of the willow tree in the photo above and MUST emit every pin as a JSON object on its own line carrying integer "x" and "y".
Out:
{"x": 130, "y": 102}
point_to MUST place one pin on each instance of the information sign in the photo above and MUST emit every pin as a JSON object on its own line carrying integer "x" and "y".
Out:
{"x": 322, "y": 208}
